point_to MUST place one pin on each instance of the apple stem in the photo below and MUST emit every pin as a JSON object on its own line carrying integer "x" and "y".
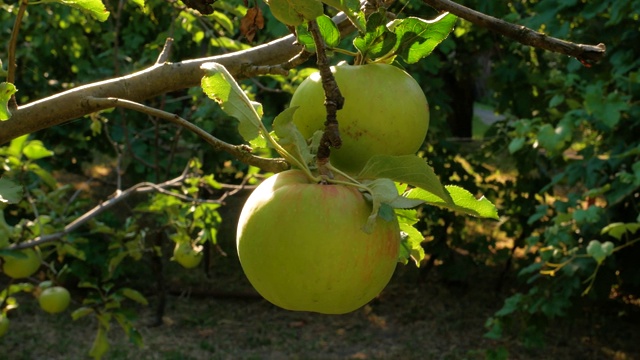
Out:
{"x": 333, "y": 101}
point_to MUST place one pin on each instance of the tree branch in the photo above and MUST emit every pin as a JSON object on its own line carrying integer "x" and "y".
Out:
{"x": 584, "y": 53}
{"x": 156, "y": 80}
{"x": 240, "y": 152}
{"x": 333, "y": 101}
{"x": 118, "y": 196}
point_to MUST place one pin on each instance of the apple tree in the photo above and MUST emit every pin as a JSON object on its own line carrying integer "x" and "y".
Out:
{"x": 180, "y": 137}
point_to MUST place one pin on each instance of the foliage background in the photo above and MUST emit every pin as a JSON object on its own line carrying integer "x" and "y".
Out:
{"x": 562, "y": 163}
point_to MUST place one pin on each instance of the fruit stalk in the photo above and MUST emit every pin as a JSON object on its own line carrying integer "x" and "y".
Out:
{"x": 333, "y": 100}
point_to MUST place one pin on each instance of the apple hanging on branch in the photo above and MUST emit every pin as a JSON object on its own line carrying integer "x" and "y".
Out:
{"x": 326, "y": 236}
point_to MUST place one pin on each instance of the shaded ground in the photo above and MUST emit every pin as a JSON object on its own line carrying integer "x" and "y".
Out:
{"x": 410, "y": 320}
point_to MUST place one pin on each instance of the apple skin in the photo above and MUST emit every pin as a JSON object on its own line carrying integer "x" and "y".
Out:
{"x": 186, "y": 255}
{"x": 385, "y": 113}
{"x": 18, "y": 268}
{"x": 302, "y": 247}
{"x": 54, "y": 300}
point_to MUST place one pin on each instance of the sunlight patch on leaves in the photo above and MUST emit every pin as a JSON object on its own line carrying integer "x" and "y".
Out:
{"x": 221, "y": 87}
{"x": 407, "y": 169}
{"x": 94, "y": 7}
{"x": 463, "y": 202}
{"x": 6, "y": 91}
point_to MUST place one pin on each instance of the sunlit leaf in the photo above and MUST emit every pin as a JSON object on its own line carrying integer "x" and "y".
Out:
{"x": 408, "y": 169}
{"x": 6, "y": 91}
{"x": 220, "y": 86}
{"x": 617, "y": 230}
{"x": 35, "y": 150}
{"x": 463, "y": 201}
{"x": 329, "y": 31}
{"x": 94, "y": 7}
{"x": 411, "y": 245}
{"x": 417, "y": 37}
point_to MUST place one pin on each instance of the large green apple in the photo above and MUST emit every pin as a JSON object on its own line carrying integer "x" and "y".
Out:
{"x": 302, "y": 247}
{"x": 54, "y": 299}
{"x": 21, "y": 267}
{"x": 385, "y": 113}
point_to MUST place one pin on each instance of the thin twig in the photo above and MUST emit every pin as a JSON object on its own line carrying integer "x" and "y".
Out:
{"x": 586, "y": 54}
{"x": 144, "y": 187}
{"x": 333, "y": 100}
{"x": 166, "y": 51}
{"x": 240, "y": 152}
{"x": 13, "y": 44}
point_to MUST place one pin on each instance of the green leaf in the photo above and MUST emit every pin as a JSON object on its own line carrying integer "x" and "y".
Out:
{"x": 347, "y": 6}
{"x": 607, "y": 248}
{"x": 511, "y": 304}
{"x": 134, "y": 295}
{"x": 43, "y": 174}
{"x": 463, "y": 201}
{"x": 329, "y": 31}
{"x": 139, "y": 3}
{"x": 411, "y": 244}
{"x": 385, "y": 191}
{"x": 35, "y": 150}
{"x": 516, "y": 144}
{"x": 616, "y": 230}
{"x": 305, "y": 38}
{"x": 407, "y": 169}
{"x": 221, "y": 87}
{"x": 100, "y": 344}
{"x": 378, "y": 40}
{"x": 290, "y": 137}
{"x": 417, "y": 38}
{"x": 10, "y": 192}
{"x": 6, "y": 91}
{"x": 295, "y": 12}
{"x": 81, "y": 312}
{"x": 594, "y": 249}
{"x": 95, "y": 7}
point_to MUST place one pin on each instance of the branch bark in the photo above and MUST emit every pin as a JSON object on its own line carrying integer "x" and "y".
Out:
{"x": 585, "y": 53}
{"x": 158, "y": 79}
{"x": 153, "y": 81}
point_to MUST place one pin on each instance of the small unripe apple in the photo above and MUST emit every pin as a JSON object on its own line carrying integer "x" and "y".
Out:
{"x": 54, "y": 299}
{"x": 302, "y": 245}
{"x": 185, "y": 254}
{"x": 21, "y": 267}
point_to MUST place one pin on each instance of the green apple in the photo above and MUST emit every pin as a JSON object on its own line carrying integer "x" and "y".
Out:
{"x": 385, "y": 113}
{"x": 54, "y": 299}
{"x": 21, "y": 267}
{"x": 4, "y": 324}
{"x": 187, "y": 255}
{"x": 302, "y": 245}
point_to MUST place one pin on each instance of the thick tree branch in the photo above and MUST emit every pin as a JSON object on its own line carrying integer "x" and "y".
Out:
{"x": 585, "y": 53}
{"x": 156, "y": 80}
